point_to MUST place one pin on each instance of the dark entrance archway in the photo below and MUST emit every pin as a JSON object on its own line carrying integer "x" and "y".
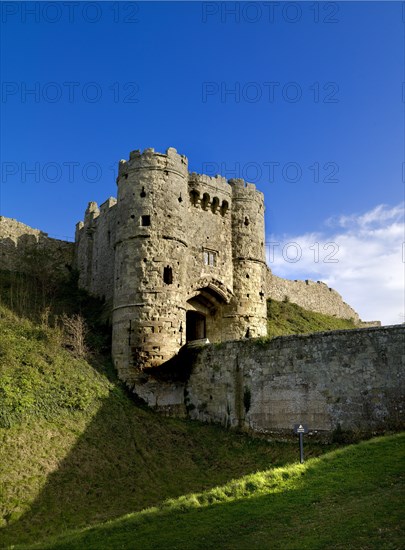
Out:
{"x": 195, "y": 326}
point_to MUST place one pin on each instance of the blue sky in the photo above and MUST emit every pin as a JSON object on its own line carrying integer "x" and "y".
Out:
{"x": 304, "y": 99}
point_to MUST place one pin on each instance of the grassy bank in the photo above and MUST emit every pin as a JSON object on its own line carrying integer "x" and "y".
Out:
{"x": 79, "y": 458}
{"x": 75, "y": 449}
{"x": 349, "y": 498}
{"x": 288, "y": 318}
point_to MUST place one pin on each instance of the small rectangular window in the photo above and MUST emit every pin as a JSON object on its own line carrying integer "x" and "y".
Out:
{"x": 210, "y": 258}
{"x": 168, "y": 275}
{"x": 145, "y": 221}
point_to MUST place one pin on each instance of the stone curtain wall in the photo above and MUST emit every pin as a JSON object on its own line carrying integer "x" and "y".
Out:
{"x": 315, "y": 296}
{"x": 18, "y": 242}
{"x": 349, "y": 378}
{"x": 94, "y": 254}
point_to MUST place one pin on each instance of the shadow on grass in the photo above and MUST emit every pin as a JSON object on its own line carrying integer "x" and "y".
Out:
{"x": 125, "y": 459}
{"x": 352, "y": 499}
{"x": 129, "y": 458}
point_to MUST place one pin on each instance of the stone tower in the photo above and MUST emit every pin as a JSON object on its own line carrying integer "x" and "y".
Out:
{"x": 248, "y": 308}
{"x": 150, "y": 248}
{"x": 182, "y": 258}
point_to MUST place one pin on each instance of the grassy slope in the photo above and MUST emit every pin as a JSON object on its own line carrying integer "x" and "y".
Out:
{"x": 289, "y": 318}
{"x": 75, "y": 449}
{"x": 349, "y": 498}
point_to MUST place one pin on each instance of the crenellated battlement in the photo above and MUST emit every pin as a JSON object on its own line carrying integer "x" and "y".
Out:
{"x": 170, "y": 161}
{"x": 210, "y": 193}
{"x": 242, "y": 190}
{"x": 94, "y": 212}
{"x": 213, "y": 193}
{"x": 106, "y": 205}
{"x": 215, "y": 182}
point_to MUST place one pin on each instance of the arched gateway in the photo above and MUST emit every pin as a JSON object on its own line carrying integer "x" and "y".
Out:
{"x": 205, "y": 312}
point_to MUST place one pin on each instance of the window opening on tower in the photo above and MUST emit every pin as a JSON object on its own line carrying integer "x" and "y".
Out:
{"x": 168, "y": 275}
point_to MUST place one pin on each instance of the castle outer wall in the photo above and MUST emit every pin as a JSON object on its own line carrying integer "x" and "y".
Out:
{"x": 350, "y": 378}
{"x": 20, "y": 245}
{"x": 311, "y": 295}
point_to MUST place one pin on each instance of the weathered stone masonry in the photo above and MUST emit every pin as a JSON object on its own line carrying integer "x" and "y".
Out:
{"x": 18, "y": 241}
{"x": 351, "y": 378}
{"x": 311, "y": 295}
{"x": 181, "y": 256}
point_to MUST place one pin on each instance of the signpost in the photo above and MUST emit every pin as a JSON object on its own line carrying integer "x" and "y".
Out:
{"x": 301, "y": 429}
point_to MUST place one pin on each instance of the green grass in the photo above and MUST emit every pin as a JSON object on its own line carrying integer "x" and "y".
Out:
{"x": 348, "y": 498}
{"x": 32, "y": 296}
{"x": 288, "y": 318}
{"x": 76, "y": 450}
{"x": 40, "y": 379}
{"x": 80, "y": 458}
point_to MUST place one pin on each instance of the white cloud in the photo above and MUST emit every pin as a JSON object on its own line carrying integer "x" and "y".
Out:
{"x": 377, "y": 216}
{"x": 361, "y": 256}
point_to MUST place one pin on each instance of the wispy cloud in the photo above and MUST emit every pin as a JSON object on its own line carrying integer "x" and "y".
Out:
{"x": 359, "y": 255}
{"x": 380, "y": 214}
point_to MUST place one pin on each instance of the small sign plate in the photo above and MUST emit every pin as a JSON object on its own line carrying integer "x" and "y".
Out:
{"x": 300, "y": 428}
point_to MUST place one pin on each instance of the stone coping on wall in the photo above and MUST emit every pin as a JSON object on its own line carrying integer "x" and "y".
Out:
{"x": 288, "y": 337}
